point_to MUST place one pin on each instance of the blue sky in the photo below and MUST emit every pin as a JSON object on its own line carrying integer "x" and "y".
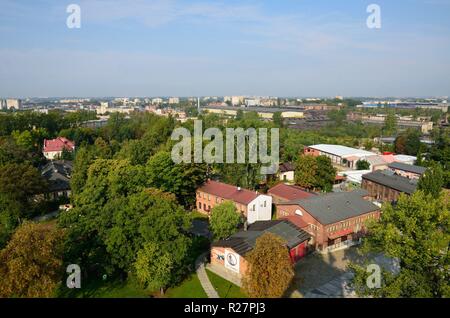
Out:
{"x": 210, "y": 47}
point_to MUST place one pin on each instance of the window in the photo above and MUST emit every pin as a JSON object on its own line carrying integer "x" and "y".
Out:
{"x": 254, "y": 207}
{"x": 199, "y": 205}
{"x": 204, "y": 206}
{"x": 265, "y": 204}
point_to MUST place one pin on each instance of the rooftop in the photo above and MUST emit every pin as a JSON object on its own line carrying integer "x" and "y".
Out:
{"x": 408, "y": 168}
{"x": 342, "y": 151}
{"x": 334, "y": 207}
{"x": 289, "y": 192}
{"x": 57, "y": 173}
{"x": 58, "y": 144}
{"x": 243, "y": 242}
{"x": 229, "y": 192}
{"x": 389, "y": 179}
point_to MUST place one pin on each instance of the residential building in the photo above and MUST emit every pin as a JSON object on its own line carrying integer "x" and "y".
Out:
{"x": 339, "y": 155}
{"x": 286, "y": 172}
{"x": 157, "y": 101}
{"x": 281, "y": 193}
{"x": 228, "y": 256}
{"x": 406, "y": 170}
{"x": 58, "y": 174}
{"x": 53, "y": 148}
{"x": 386, "y": 186}
{"x": 2, "y": 104}
{"x": 250, "y": 204}
{"x": 14, "y": 104}
{"x": 334, "y": 220}
{"x": 237, "y": 100}
{"x": 174, "y": 100}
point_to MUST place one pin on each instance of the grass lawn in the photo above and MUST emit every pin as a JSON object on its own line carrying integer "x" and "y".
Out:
{"x": 115, "y": 288}
{"x": 225, "y": 288}
{"x": 189, "y": 288}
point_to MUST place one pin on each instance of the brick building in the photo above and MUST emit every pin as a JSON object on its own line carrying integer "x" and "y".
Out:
{"x": 251, "y": 204}
{"x": 405, "y": 170}
{"x": 333, "y": 220}
{"x": 284, "y": 192}
{"x": 387, "y": 186}
{"x": 229, "y": 254}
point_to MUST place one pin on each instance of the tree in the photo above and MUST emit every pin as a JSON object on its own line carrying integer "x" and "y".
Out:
{"x": 180, "y": 179}
{"x": 278, "y": 119}
{"x": 10, "y": 216}
{"x": 390, "y": 123}
{"x": 432, "y": 181}
{"x": 270, "y": 270}
{"x": 225, "y": 220}
{"x": 315, "y": 172}
{"x": 325, "y": 174}
{"x": 400, "y": 144}
{"x": 31, "y": 263}
{"x": 21, "y": 181}
{"x": 415, "y": 232}
{"x": 305, "y": 171}
{"x": 153, "y": 267}
{"x": 362, "y": 165}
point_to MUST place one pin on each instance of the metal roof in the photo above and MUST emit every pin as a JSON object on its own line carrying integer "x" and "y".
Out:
{"x": 342, "y": 151}
{"x": 388, "y": 179}
{"x": 244, "y": 241}
{"x": 335, "y": 207}
{"x": 405, "y": 167}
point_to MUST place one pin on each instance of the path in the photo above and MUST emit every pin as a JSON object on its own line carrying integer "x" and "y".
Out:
{"x": 203, "y": 277}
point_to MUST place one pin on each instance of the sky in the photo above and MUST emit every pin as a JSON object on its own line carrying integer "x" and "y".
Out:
{"x": 216, "y": 48}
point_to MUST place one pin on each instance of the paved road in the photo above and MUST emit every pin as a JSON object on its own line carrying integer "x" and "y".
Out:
{"x": 203, "y": 277}
{"x": 326, "y": 275}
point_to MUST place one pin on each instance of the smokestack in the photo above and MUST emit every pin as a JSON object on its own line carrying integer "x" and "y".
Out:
{"x": 198, "y": 105}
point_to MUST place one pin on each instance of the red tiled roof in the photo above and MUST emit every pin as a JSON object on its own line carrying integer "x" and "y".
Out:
{"x": 58, "y": 144}
{"x": 296, "y": 220}
{"x": 289, "y": 192}
{"x": 229, "y": 192}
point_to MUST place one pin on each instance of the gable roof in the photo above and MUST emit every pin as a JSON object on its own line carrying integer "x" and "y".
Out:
{"x": 391, "y": 180}
{"x": 408, "y": 168}
{"x": 58, "y": 144}
{"x": 229, "y": 192}
{"x": 342, "y": 151}
{"x": 58, "y": 174}
{"x": 334, "y": 207}
{"x": 243, "y": 242}
{"x": 286, "y": 166}
{"x": 289, "y": 192}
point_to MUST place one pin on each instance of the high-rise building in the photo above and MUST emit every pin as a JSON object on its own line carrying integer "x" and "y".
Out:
{"x": 13, "y": 104}
{"x": 174, "y": 100}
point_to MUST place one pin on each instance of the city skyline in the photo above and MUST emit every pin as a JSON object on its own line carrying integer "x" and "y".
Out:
{"x": 251, "y": 48}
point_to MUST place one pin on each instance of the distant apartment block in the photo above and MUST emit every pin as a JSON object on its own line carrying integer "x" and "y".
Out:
{"x": 250, "y": 204}
{"x": 174, "y": 100}
{"x": 157, "y": 101}
{"x": 13, "y": 104}
{"x": 53, "y": 148}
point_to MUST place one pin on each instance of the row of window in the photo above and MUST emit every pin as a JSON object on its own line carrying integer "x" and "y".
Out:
{"x": 347, "y": 224}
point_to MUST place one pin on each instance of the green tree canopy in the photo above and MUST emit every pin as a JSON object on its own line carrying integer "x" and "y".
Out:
{"x": 225, "y": 220}
{"x": 416, "y": 232}
{"x": 31, "y": 263}
{"x": 433, "y": 180}
{"x": 270, "y": 270}
{"x": 362, "y": 165}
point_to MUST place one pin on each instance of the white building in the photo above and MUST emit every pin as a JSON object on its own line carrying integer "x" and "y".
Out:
{"x": 174, "y": 100}
{"x": 13, "y": 104}
{"x": 340, "y": 155}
